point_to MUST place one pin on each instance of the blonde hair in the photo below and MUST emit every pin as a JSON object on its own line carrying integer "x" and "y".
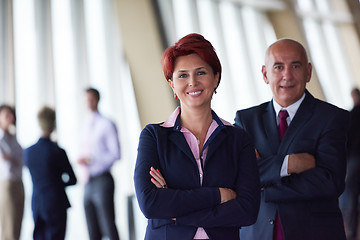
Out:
{"x": 46, "y": 118}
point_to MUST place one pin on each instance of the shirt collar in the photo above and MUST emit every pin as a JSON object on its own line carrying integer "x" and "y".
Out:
{"x": 174, "y": 120}
{"x": 292, "y": 109}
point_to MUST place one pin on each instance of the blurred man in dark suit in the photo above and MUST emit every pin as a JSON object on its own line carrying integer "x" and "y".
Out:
{"x": 51, "y": 172}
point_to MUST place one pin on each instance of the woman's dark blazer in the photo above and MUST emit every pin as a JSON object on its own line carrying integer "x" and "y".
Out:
{"x": 230, "y": 163}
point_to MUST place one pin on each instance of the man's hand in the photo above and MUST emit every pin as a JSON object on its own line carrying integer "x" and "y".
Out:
{"x": 257, "y": 154}
{"x": 227, "y": 194}
{"x": 84, "y": 161}
{"x": 300, "y": 162}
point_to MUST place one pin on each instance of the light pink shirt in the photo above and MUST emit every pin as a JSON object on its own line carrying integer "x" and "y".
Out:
{"x": 194, "y": 146}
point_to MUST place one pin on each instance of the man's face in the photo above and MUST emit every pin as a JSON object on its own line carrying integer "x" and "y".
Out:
{"x": 287, "y": 71}
{"x": 92, "y": 101}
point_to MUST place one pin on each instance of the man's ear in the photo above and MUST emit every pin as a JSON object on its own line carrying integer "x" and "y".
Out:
{"x": 309, "y": 69}
{"x": 264, "y": 73}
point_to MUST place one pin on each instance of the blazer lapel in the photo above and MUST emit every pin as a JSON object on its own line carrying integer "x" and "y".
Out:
{"x": 179, "y": 140}
{"x": 220, "y": 137}
{"x": 270, "y": 126}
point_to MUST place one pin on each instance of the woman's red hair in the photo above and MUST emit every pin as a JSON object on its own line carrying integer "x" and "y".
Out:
{"x": 191, "y": 43}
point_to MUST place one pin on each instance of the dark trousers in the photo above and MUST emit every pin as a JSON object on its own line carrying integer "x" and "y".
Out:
{"x": 50, "y": 226}
{"x": 99, "y": 207}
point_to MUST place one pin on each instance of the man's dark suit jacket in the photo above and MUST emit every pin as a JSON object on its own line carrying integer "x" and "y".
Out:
{"x": 354, "y": 133}
{"x": 230, "y": 163}
{"x": 307, "y": 202}
{"x": 48, "y": 165}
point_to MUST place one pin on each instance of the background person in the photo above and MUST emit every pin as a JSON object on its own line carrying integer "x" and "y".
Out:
{"x": 11, "y": 185}
{"x": 350, "y": 198}
{"x": 302, "y": 172}
{"x": 195, "y": 174}
{"x": 100, "y": 149}
{"x": 50, "y": 172}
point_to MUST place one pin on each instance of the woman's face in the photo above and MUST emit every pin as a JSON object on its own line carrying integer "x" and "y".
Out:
{"x": 6, "y": 118}
{"x": 193, "y": 81}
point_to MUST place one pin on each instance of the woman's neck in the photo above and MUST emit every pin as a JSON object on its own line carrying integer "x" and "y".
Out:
{"x": 5, "y": 130}
{"x": 197, "y": 122}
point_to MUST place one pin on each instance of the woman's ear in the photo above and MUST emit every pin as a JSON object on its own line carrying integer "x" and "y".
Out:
{"x": 171, "y": 83}
{"x": 217, "y": 76}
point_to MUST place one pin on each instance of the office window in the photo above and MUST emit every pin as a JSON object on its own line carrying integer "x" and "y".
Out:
{"x": 60, "y": 48}
{"x": 325, "y": 23}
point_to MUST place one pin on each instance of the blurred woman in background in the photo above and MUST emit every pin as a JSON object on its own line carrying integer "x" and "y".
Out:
{"x": 11, "y": 185}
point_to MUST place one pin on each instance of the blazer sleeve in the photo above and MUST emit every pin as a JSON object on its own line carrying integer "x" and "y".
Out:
{"x": 327, "y": 178}
{"x": 241, "y": 211}
{"x": 65, "y": 168}
{"x": 165, "y": 203}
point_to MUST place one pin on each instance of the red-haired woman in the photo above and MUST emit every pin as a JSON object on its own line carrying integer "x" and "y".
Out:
{"x": 196, "y": 175}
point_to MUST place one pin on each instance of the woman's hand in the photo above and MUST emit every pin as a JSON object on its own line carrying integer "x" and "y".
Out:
{"x": 227, "y": 194}
{"x": 6, "y": 157}
{"x": 157, "y": 179}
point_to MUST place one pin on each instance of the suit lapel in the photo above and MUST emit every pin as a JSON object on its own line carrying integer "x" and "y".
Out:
{"x": 270, "y": 126}
{"x": 301, "y": 117}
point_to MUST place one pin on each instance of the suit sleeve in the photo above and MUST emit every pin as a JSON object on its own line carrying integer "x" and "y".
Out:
{"x": 165, "y": 203}
{"x": 241, "y": 211}
{"x": 327, "y": 178}
{"x": 269, "y": 166}
{"x": 65, "y": 168}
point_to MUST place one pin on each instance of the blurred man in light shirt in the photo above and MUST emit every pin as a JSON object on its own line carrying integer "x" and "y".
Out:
{"x": 100, "y": 149}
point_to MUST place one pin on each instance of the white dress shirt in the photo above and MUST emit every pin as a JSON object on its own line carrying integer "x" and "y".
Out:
{"x": 100, "y": 144}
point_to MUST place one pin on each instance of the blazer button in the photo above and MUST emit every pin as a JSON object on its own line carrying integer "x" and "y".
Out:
{"x": 271, "y": 221}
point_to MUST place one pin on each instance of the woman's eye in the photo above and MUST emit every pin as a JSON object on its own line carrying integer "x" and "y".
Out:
{"x": 201, "y": 73}
{"x": 183, "y": 75}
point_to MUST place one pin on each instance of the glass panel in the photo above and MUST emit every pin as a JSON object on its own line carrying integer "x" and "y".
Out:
{"x": 327, "y": 52}
{"x": 185, "y": 17}
{"x": 240, "y": 35}
{"x": 85, "y": 48}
